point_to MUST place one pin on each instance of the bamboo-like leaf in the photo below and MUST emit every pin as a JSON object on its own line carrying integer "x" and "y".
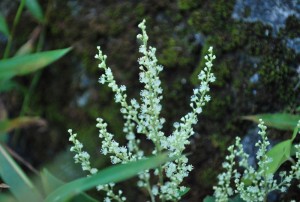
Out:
{"x": 278, "y": 120}
{"x": 3, "y": 26}
{"x": 25, "y": 49}
{"x": 113, "y": 174}
{"x": 280, "y": 153}
{"x": 209, "y": 199}
{"x": 28, "y": 47}
{"x": 26, "y": 64}
{"x": 6, "y": 198}
{"x": 50, "y": 183}
{"x": 35, "y": 9}
{"x": 9, "y": 124}
{"x": 7, "y": 85}
{"x": 20, "y": 185}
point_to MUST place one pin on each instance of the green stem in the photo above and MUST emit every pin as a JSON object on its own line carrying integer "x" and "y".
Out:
{"x": 149, "y": 191}
{"x": 15, "y": 23}
{"x": 156, "y": 143}
{"x": 160, "y": 173}
{"x": 28, "y": 95}
{"x": 37, "y": 75}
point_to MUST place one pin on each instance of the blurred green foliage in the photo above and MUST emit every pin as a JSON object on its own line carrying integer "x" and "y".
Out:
{"x": 53, "y": 189}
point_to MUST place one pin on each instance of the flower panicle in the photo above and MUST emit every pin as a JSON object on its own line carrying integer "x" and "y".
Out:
{"x": 262, "y": 181}
{"x": 143, "y": 116}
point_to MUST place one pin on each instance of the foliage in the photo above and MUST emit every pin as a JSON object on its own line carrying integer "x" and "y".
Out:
{"x": 53, "y": 189}
{"x": 19, "y": 183}
{"x": 281, "y": 121}
{"x": 25, "y": 64}
{"x": 22, "y": 63}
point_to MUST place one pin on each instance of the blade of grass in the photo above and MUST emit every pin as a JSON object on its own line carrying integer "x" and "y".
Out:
{"x": 7, "y": 198}
{"x": 15, "y": 23}
{"x": 112, "y": 174}
{"x": 26, "y": 64}
{"x": 35, "y": 9}
{"x": 50, "y": 183}
{"x": 20, "y": 185}
{"x": 279, "y": 120}
{"x": 3, "y": 26}
{"x": 9, "y": 124}
{"x": 21, "y": 160}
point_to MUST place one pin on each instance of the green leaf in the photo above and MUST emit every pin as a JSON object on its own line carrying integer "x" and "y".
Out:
{"x": 209, "y": 199}
{"x": 7, "y": 198}
{"x": 10, "y": 124}
{"x": 113, "y": 174}
{"x": 278, "y": 121}
{"x": 280, "y": 153}
{"x": 35, "y": 9}
{"x": 184, "y": 192}
{"x": 295, "y": 133}
{"x": 50, "y": 183}
{"x": 7, "y": 85}
{"x": 3, "y": 26}
{"x": 25, "y": 49}
{"x": 20, "y": 186}
{"x": 26, "y": 64}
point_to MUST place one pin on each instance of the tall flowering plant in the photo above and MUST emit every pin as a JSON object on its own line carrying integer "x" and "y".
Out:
{"x": 254, "y": 184}
{"x": 142, "y": 117}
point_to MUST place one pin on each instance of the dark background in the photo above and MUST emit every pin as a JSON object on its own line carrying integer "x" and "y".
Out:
{"x": 257, "y": 49}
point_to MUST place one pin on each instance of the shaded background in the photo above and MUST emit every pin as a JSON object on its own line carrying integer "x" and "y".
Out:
{"x": 257, "y": 45}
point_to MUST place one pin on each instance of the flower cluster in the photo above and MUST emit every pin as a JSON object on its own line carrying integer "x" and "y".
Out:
{"x": 253, "y": 184}
{"x": 143, "y": 118}
{"x": 83, "y": 158}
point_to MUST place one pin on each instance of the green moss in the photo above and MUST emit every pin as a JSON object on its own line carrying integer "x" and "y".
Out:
{"x": 140, "y": 10}
{"x": 276, "y": 76}
{"x": 292, "y": 28}
{"x": 213, "y": 17}
{"x": 207, "y": 177}
{"x": 220, "y": 145}
{"x": 188, "y": 4}
{"x": 172, "y": 55}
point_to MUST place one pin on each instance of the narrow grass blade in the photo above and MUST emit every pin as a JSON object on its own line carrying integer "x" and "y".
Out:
{"x": 3, "y": 26}
{"x": 26, "y": 64}
{"x": 50, "y": 183}
{"x": 279, "y": 120}
{"x": 20, "y": 185}
{"x": 35, "y": 9}
{"x": 9, "y": 124}
{"x": 113, "y": 174}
